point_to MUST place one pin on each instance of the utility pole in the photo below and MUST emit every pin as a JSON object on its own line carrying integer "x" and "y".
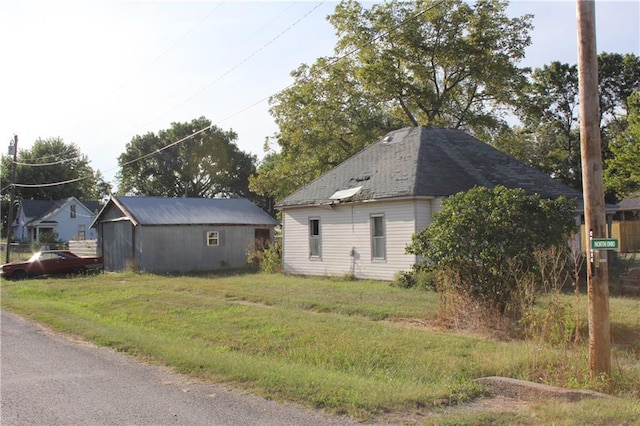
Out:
{"x": 13, "y": 149}
{"x": 593, "y": 190}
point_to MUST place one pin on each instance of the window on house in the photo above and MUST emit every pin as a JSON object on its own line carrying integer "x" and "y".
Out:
{"x": 314, "y": 238}
{"x": 73, "y": 211}
{"x": 377, "y": 237}
{"x": 213, "y": 238}
{"x": 82, "y": 232}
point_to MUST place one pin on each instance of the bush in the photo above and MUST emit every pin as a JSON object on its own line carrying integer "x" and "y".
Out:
{"x": 483, "y": 244}
{"x": 416, "y": 278}
{"x": 267, "y": 260}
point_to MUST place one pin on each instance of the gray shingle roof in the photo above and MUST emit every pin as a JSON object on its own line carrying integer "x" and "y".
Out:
{"x": 35, "y": 210}
{"x": 425, "y": 161}
{"x": 192, "y": 211}
{"x": 629, "y": 204}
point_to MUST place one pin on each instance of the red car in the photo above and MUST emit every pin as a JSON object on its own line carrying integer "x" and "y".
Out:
{"x": 52, "y": 262}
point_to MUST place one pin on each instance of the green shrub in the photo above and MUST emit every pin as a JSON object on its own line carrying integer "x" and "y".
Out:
{"x": 483, "y": 244}
{"x": 267, "y": 260}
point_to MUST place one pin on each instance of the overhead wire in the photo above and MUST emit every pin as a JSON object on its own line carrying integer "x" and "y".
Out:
{"x": 236, "y": 66}
{"x": 327, "y": 66}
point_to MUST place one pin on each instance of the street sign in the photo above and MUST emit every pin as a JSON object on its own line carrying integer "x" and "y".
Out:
{"x": 604, "y": 244}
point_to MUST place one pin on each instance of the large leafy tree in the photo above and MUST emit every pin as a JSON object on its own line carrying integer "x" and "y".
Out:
{"x": 324, "y": 117}
{"x": 52, "y": 170}
{"x": 446, "y": 63}
{"x": 622, "y": 174}
{"x": 549, "y": 115}
{"x": 194, "y": 159}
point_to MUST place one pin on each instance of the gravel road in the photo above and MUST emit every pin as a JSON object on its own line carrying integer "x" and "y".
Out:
{"x": 48, "y": 379}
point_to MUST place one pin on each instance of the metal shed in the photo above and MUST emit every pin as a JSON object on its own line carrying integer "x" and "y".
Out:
{"x": 161, "y": 235}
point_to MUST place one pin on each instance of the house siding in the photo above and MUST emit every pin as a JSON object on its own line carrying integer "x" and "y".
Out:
{"x": 345, "y": 231}
{"x": 65, "y": 226}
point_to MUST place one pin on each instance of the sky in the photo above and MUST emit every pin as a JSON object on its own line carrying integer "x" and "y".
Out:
{"x": 97, "y": 73}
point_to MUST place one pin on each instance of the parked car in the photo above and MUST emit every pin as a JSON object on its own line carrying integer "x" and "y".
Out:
{"x": 50, "y": 262}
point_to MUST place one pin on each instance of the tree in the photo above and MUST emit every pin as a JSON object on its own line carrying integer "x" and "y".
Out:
{"x": 448, "y": 63}
{"x": 206, "y": 164}
{"x": 396, "y": 64}
{"x": 484, "y": 240}
{"x": 51, "y": 161}
{"x": 549, "y": 115}
{"x": 622, "y": 173}
{"x": 323, "y": 118}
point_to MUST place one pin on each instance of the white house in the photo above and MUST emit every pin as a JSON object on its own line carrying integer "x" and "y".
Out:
{"x": 67, "y": 219}
{"x": 358, "y": 218}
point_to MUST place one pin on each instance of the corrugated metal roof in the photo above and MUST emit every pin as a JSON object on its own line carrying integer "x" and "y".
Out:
{"x": 429, "y": 162}
{"x": 192, "y": 211}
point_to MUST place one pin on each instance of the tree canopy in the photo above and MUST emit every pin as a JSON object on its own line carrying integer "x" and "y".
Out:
{"x": 51, "y": 170}
{"x": 622, "y": 174}
{"x": 194, "y": 159}
{"x": 549, "y": 136}
{"x": 446, "y": 63}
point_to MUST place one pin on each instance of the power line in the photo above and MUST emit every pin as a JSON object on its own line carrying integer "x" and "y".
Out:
{"x": 327, "y": 66}
{"x": 238, "y": 65}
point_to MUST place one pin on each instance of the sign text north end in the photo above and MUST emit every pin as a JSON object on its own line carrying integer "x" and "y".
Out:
{"x": 604, "y": 244}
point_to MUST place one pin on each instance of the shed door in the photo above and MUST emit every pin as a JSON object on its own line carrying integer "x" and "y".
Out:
{"x": 117, "y": 246}
{"x": 262, "y": 239}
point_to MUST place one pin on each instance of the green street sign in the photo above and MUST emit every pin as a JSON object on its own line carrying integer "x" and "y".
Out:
{"x": 604, "y": 244}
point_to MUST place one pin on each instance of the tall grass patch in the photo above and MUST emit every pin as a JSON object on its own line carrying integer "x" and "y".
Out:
{"x": 342, "y": 345}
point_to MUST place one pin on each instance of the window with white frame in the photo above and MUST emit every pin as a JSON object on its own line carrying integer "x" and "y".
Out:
{"x": 377, "y": 237}
{"x": 82, "y": 232}
{"x": 73, "y": 211}
{"x": 314, "y": 238}
{"x": 213, "y": 238}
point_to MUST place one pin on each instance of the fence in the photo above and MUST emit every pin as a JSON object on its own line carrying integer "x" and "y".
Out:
{"x": 85, "y": 248}
{"x": 20, "y": 252}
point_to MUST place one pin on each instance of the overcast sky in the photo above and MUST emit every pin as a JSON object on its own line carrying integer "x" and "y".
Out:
{"x": 97, "y": 73}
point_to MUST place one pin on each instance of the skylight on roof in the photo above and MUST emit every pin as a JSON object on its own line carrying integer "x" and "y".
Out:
{"x": 345, "y": 193}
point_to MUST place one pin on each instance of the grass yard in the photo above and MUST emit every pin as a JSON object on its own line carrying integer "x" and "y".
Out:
{"x": 357, "y": 347}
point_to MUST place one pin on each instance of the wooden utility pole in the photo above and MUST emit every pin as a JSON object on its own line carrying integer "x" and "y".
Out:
{"x": 13, "y": 146}
{"x": 593, "y": 191}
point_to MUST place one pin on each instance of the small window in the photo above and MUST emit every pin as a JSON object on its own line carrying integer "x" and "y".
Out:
{"x": 82, "y": 232}
{"x": 377, "y": 237}
{"x": 314, "y": 238}
{"x": 73, "y": 211}
{"x": 213, "y": 238}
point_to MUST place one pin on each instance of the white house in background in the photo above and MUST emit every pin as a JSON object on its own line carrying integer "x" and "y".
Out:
{"x": 359, "y": 217}
{"x": 69, "y": 219}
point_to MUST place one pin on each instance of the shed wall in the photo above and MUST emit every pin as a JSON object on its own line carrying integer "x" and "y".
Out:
{"x": 183, "y": 248}
{"x": 345, "y": 231}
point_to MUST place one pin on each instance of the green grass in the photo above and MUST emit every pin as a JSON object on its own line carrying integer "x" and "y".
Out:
{"x": 347, "y": 346}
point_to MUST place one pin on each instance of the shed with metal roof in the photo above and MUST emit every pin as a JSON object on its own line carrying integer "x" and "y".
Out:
{"x": 161, "y": 235}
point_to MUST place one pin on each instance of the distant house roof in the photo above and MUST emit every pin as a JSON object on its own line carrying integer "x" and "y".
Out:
{"x": 424, "y": 162}
{"x": 629, "y": 204}
{"x": 37, "y": 210}
{"x": 189, "y": 211}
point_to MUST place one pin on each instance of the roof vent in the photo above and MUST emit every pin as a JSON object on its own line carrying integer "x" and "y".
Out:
{"x": 387, "y": 139}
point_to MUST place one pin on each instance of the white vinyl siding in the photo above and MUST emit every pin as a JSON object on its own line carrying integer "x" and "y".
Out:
{"x": 346, "y": 238}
